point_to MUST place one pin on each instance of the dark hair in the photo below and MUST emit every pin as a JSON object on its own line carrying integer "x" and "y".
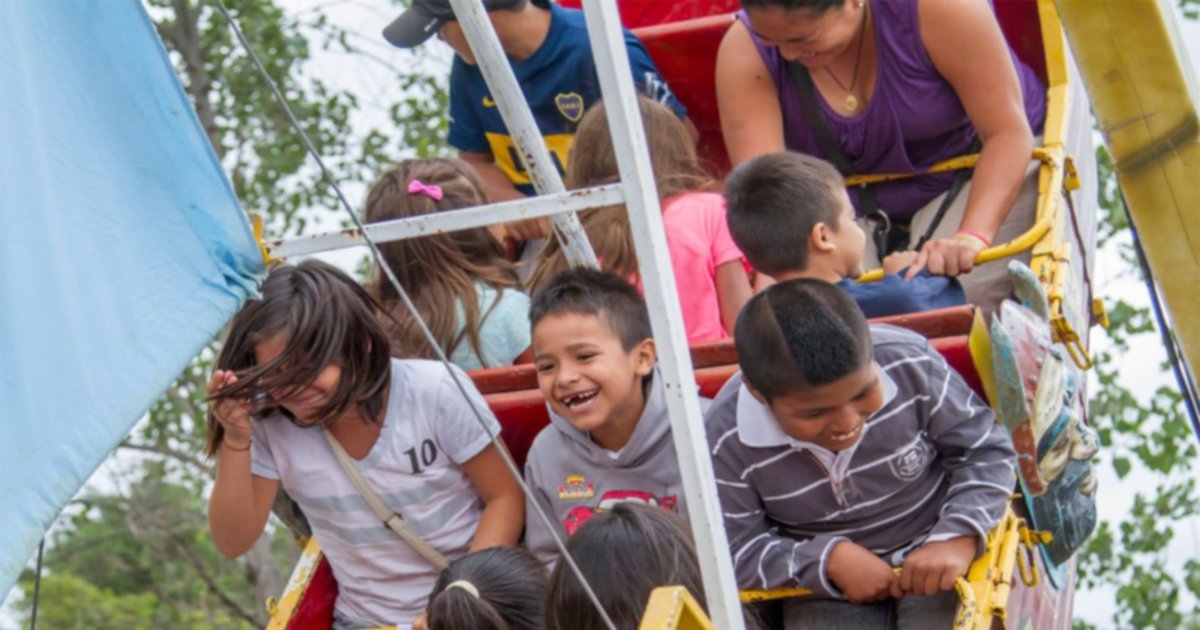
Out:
{"x": 439, "y": 270}
{"x": 593, "y": 162}
{"x": 599, "y": 293}
{"x": 816, "y": 7}
{"x": 623, "y": 553}
{"x": 326, "y": 318}
{"x": 511, "y": 585}
{"x": 774, "y": 201}
{"x": 800, "y": 334}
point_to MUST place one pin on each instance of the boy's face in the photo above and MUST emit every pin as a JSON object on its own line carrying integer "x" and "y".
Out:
{"x": 452, "y": 34}
{"x": 303, "y": 401}
{"x": 848, "y": 238}
{"x": 585, "y": 374}
{"x": 831, "y": 416}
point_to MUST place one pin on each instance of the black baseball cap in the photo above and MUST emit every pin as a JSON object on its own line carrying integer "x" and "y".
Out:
{"x": 424, "y": 18}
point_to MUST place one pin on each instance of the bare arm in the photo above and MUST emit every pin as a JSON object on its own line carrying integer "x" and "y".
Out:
{"x": 986, "y": 82}
{"x": 733, "y": 291}
{"x": 751, "y": 120}
{"x": 240, "y": 504}
{"x": 240, "y": 501}
{"x": 504, "y": 512}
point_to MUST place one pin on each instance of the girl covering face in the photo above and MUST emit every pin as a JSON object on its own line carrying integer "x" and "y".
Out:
{"x": 310, "y": 356}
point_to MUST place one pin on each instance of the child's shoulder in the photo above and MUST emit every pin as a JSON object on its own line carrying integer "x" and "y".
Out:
{"x": 423, "y": 376}
{"x": 721, "y": 415}
{"x": 891, "y": 341}
{"x": 697, "y": 201}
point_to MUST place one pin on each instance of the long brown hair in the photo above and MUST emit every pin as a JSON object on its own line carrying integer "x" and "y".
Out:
{"x": 326, "y": 318}
{"x": 677, "y": 169}
{"x": 439, "y": 271}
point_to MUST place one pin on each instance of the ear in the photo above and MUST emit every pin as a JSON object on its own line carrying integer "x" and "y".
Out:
{"x": 644, "y": 356}
{"x": 821, "y": 238}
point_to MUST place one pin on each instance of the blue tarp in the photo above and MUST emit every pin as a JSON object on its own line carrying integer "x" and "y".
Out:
{"x": 123, "y": 249}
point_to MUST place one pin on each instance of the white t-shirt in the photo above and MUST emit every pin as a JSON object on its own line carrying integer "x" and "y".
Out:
{"x": 428, "y": 431}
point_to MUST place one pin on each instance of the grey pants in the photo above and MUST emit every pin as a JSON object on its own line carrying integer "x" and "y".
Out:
{"x": 908, "y": 613}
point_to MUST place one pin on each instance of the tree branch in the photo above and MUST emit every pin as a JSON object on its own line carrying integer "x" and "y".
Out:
{"x": 171, "y": 454}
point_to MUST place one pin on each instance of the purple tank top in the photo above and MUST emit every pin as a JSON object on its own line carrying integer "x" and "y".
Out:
{"x": 913, "y": 120}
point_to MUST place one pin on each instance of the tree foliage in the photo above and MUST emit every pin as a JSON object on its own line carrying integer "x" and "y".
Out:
{"x": 140, "y": 555}
{"x": 1146, "y": 432}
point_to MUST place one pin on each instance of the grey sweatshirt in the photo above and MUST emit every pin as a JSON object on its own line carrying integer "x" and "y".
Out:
{"x": 931, "y": 464}
{"x": 571, "y": 477}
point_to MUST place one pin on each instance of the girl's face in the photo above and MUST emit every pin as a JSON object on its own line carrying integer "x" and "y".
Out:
{"x": 302, "y": 401}
{"x": 811, "y": 39}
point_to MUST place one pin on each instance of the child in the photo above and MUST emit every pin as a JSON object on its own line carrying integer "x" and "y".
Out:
{"x": 551, "y": 57}
{"x": 709, "y": 271}
{"x": 789, "y": 213}
{"x": 844, "y": 450}
{"x": 624, "y": 553}
{"x": 460, "y": 281}
{"x": 502, "y": 588}
{"x": 609, "y": 438}
{"x": 312, "y": 357}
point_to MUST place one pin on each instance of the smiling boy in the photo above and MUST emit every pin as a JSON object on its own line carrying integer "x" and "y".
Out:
{"x": 609, "y": 438}
{"x": 843, "y": 451}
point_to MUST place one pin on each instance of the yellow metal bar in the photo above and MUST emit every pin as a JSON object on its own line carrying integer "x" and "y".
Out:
{"x": 673, "y": 608}
{"x": 1048, "y": 204}
{"x": 284, "y": 609}
{"x": 1145, "y": 99}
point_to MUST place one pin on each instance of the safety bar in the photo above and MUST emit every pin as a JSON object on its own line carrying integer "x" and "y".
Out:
{"x": 1051, "y": 175}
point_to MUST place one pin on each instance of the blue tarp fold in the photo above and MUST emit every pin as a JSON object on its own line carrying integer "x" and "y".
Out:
{"x": 123, "y": 249}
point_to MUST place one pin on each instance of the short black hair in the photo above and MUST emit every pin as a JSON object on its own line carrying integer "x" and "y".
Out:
{"x": 800, "y": 334}
{"x": 774, "y": 201}
{"x": 594, "y": 292}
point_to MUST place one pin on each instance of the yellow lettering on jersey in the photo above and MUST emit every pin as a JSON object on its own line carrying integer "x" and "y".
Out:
{"x": 488, "y": 102}
{"x": 504, "y": 152}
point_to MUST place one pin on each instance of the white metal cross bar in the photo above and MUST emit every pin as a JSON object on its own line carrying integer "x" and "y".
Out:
{"x": 510, "y": 100}
{"x": 666, "y": 318}
{"x": 451, "y": 221}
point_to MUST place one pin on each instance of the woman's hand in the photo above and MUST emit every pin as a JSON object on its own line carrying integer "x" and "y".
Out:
{"x": 946, "y": 257}
{"x": 234, "y": 415}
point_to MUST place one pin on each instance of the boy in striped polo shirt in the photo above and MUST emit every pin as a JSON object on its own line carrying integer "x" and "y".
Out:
{"x": 843, "y": 451}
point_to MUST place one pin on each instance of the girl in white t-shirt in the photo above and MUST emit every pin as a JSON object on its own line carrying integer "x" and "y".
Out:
{"x": 311, "y": 356}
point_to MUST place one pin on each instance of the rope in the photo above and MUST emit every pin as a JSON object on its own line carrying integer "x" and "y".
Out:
{"x": 1187, "y": 387}
{"x": 327, "y": 176}
{"x": 37, "y": 585}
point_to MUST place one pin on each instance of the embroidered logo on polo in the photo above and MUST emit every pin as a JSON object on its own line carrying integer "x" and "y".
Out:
{"x": 576, "y": 487}
{"x": 909, "y": 463}
{"x": 570, "y": 105}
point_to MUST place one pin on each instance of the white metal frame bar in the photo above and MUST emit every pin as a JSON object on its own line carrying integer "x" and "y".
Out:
{"x": 451, "y": 221}
{"x": 666, "y": 318}
{"x": 510, "y": 100}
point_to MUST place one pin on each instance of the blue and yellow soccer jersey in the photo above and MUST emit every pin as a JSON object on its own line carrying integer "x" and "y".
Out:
{"x": 560, "y": 83}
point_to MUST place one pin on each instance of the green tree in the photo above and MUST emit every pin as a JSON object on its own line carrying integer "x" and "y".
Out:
{"x": 141, "y": 556}
{"x": 1150, "y": 433}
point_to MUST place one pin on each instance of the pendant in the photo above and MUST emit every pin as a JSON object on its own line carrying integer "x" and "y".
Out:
{"x": 851, "y": 103}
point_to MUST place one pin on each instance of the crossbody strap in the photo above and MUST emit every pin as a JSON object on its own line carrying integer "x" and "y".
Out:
{"x": 388, "y": 516}
{"x": 815, "y": 116}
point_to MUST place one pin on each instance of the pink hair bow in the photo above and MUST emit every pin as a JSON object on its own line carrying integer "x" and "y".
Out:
{"x": 433, "y": 191}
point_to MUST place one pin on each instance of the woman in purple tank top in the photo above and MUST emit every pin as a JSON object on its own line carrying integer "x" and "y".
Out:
{"x": 903, "y": 84}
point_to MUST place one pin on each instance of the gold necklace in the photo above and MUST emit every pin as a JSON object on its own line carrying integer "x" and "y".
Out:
{"x": 851, "y": 100}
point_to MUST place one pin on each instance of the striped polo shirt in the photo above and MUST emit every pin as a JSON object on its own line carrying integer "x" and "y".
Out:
{"x": 931, "y": 464}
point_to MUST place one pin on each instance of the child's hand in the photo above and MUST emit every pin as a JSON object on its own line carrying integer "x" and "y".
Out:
{"x": 895, "y": 262}
{"x": 421, "y": 622}
{"x": 861, "y": 575}
{"x": 233, "y": 415}
{"x": 935, "y": 566}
